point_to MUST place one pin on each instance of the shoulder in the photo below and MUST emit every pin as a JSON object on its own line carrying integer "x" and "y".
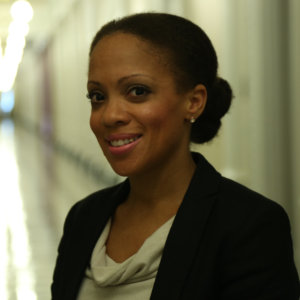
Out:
{"x": 242, "y": 203}
{"x": 99, "y": 202}
{"x": 91, "y": 213}
{"x": 233, "y": 208}
{"x": 243, "y": 216}
{"x": 97, "y": 198}
{"x": 231, "y": 200}
{"x": 83, "y": 225}
{"x": 250, "y": 222}
{"x": 256, "y": 239}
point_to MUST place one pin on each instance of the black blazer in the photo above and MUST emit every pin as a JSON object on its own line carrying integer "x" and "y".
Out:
{"x": 226, "y": 242}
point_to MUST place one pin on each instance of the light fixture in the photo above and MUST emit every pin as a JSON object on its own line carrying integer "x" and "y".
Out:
{"x": 22, "y": 13}
{"x": 21, "y": 10}
{"x": 1, "y": 51}
{"x": 17, "y": 28}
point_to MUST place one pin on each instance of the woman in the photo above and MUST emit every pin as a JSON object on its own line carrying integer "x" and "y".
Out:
{"x": 175, "y": 229}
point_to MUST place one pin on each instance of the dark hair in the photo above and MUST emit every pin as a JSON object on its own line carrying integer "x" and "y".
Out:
{"x": 192, "y": 58}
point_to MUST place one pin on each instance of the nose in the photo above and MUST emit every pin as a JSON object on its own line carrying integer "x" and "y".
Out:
{"x": 114, "y": 113}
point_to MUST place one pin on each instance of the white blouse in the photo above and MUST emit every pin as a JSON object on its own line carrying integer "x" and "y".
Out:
{"x": 132, "y": 279}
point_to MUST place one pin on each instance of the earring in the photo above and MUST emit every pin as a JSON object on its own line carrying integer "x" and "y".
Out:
{"x": 192, "y": 120}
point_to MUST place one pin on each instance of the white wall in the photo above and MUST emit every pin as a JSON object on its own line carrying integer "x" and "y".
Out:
{"x": 294, "y": 120}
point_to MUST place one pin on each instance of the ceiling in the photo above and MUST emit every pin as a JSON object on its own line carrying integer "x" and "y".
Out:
{"x": 44, "y": 16}
{"x": 5, "y": 17}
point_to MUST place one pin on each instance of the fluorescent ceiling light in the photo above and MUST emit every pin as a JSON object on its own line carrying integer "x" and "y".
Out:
{"x": 21, "y": 10}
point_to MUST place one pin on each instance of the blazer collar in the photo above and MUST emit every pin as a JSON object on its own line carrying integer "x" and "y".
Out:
{"x": 186, "y": 232}
{"x": 89, "y": 226}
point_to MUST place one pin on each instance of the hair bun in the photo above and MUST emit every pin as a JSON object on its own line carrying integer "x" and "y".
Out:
{"x": 218, "y": 103}
{"x": 221, "y": 96}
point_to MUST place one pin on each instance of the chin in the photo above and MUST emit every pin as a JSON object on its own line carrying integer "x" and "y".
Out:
{"x": 124, "y": 166}
{"x": 124, "y": 171}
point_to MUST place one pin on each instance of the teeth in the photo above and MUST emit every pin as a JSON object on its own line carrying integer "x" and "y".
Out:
{"x": 119, "y": 143}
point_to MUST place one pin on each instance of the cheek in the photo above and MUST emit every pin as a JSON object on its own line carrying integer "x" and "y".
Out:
{"x": 94, "y": 124}
{"x": 163, "y": 127}
{"x": 167, "y": 117}
{"x": 155, "y": 116}
{"x": 96, "y": 129}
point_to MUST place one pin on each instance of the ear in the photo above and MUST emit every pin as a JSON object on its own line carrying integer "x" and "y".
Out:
{"x": 196, "y": 101}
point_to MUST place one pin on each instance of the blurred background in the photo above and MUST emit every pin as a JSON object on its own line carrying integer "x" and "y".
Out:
{"x": 48, "y": 156}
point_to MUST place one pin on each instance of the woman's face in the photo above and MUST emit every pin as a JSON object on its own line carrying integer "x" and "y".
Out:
{"x": 137, "y": 116}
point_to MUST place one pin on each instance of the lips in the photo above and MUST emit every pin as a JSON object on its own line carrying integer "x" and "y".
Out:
{"x": 122, "y": 143}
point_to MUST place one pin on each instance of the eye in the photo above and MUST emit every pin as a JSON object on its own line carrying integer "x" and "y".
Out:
{"x": 95, "y": 96}
{"x": 138, "y": 91}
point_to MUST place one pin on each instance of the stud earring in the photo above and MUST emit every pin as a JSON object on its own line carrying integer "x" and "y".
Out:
{"x": 192, "y": 120}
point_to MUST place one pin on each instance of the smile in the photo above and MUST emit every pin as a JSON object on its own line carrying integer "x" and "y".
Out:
{"x": 120, "y": 143}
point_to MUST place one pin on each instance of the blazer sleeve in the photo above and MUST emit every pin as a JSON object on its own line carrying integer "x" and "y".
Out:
{"x": 258, "y": 258}
{"x": 57, "y": 285}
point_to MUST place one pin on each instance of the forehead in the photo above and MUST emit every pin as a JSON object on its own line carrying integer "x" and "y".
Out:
{"x": 124, "y": 47}
{"x": 122, "y": 39}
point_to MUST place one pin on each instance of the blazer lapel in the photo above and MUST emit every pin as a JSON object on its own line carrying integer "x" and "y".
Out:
{"x": 186, "y": 232}
{"x": 88, "y": 230}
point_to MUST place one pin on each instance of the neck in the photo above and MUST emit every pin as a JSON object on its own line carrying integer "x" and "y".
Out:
{"x": 162, "y": 187}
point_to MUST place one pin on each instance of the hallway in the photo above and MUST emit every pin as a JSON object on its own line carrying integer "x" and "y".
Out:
{"x": 34, "y": 199}
{"x": 49, "y": 157}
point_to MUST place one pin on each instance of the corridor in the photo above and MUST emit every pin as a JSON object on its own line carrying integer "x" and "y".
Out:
{"x": 49, "y": 157}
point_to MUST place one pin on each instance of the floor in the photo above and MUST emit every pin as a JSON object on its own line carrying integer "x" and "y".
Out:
{"x": 37, "y": 188}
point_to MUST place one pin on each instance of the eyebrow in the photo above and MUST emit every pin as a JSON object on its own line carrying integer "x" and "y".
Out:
{"x": 131, "y": 76}
{"x": 94, "y": 83}
{"x": 121, "y": 80}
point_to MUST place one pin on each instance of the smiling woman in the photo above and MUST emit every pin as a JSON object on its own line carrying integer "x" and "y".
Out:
{"x": 175, "y": 228}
